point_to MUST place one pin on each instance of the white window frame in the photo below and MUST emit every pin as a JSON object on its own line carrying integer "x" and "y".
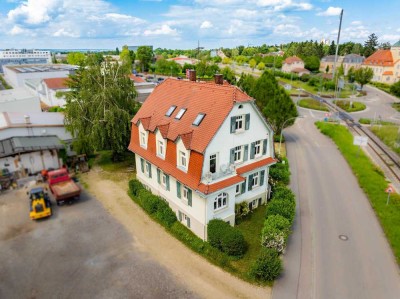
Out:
{"x": 185, "y": 194}
{"x": 238, "y": 154}
{"x": 143, "y": 139}
{"x": 257, "y": 148}
{"x": 239, "y": 123}
{"x": 220, "y": 201}
{"x": 161, "y": 148}
{"x": 256, "y": 180}
{"x": 147, "y": 169}
{"x": 163, "y": 179}
{"x": 238, "y": 189}
{"x": 182, "y": 162}
{"x": 213, "y": 157}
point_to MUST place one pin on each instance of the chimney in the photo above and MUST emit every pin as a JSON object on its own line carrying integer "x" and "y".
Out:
{"x": 27, "y": 119}
{"x": 219, "y": 79}
{"x": 192, "y": 75}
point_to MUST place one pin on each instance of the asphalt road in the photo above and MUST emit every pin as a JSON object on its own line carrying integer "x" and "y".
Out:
{"x": 79, "y": 252}
{"x": 318, "y": 264}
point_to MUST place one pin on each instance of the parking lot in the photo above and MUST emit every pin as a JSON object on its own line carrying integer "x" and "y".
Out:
{"x": 81, "y": 251}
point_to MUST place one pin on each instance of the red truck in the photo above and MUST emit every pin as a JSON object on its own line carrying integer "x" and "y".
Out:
{"x": 62, "y": 186}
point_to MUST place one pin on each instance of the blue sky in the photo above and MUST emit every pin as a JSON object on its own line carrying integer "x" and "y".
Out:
{"x": 108, "y": 24}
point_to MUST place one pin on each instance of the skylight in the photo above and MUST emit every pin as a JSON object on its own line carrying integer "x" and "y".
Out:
{"x": 199, "y": 118}
{"x": 180, "y": 113}
{"x": 170, "y": 110}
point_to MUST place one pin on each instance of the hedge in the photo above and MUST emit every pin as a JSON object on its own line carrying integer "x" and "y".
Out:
{"x": 275, "y": 232}
{"x": 279, "y": 172}
{"x": 267, "y": 267}
{"x": 283, "y": 207}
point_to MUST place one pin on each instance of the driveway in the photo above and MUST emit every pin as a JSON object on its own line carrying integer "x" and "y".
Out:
{"x": 79, "y": 252}
{"x": 337, "y": 249}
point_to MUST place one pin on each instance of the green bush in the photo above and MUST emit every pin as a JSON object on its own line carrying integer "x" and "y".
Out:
{"x": 135, "y": 186}
{"x": 267, "y": 267}
{"x": 305, "y": 78}
{"x": 226, "y": 238}
{"x": 165, "y": 215}
{"x": 275, "y": 232}
{"x": 282, "y": 192}
{"x": 279, "y": 172}
{"x": 329, "y": 85}
{"x": 285, "y": 208}
{"x": 395, "y": 89}
{"x": 365, "y": 121}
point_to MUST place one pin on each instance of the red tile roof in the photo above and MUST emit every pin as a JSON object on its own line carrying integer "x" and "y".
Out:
{"x": 388, "y": 73}
{"x": 216, "y": 101}
{"x": 380, "y": 57}
{"x": 136, "y": 79}
{"x": 56, "y": 83}
{"x": 292, "y": 59}
{"x": 255, "y": 165}
{"x": 300, "y": 70}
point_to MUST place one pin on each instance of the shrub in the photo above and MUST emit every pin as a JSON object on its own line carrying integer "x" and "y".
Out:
{"x": 313, "y": 82}
{"x": 135, "y": 186}
{"x": 281, "y": 192}
{"x": 241, "y": 209}
{"x": 267, "y": 267}
{"x": 165, "y": 215}
{"x": 305, "y": 78}
{"x": 279, "y": 172}
{"x": 150, "y": 203}
{"x": 329, "y": 85}
{"x": 275, "y": 232}
{"x": 395, "y": 89}
{"x": 226, "y": 238}
{"x": 285, "y": 208}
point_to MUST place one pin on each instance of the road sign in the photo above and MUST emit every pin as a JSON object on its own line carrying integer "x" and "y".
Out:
{"x": 389, "y": 189}
{"x": 360, "y": 140}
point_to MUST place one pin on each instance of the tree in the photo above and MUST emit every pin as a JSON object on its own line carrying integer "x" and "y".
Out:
{"x": 395, "y": 89}
{"x": 99, "y": 109}
{"x": 363, "y": 75}
{"x": 125, "y": 58}
{"x": 351, "y": 74}
{"x": 229, "y": 75}
{"x": 261, "y": 66}
{"x": 332, "y": 49}
{"x": 385, "y": 46}
{"x": 94, "y": 59}
{"x": 327, "y": 69}
{"x": 145, "y": 55}
{"x": 252, "y": 63}
{"x": 201, "y": 69}
{"x": 312, "y": 63}
{"x": 370, "y": 45}
{"x": 247, "y": 83}
{"x": 76, "y": 58}
{"x": 167, "y": 67}
{"x": 116, "y": 51}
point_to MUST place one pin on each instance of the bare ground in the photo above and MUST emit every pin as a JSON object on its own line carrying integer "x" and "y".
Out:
{"x": 197, "y": 274}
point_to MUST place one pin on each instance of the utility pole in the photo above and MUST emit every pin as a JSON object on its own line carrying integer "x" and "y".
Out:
{"x": 198, "y": 49}
{"x": 337, "y": 50}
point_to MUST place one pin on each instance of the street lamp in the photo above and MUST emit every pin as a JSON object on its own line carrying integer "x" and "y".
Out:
{"x": 280, "y": 139}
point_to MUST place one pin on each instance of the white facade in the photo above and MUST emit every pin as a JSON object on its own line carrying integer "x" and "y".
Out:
{"x": 45, "y": 94}
{"x": 13, "y": 53}
{"x": 19, "y": 100}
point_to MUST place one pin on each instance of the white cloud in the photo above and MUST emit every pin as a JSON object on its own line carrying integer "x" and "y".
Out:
{"x": 163, "y": 30}
{"x": 244, "y": 13}
{"x": 390, "y": 38}
{"x": 287, "y": 29}
{"x": 279, "y": 5}
{"x": 330, "y": 12}
{"x": 62, "y": 32}
{"x": 356, "y": 23}
{"x": 16, "y": 30}
{"x": 206, "y": 25}
{"x": 34, "y": 12}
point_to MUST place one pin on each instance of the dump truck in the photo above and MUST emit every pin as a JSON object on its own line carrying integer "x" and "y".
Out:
{"x": 64, "y": 189}
{"x": 40, "y": 205}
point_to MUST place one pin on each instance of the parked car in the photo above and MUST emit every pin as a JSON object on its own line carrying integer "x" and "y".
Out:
{"x": 62, "y": 186}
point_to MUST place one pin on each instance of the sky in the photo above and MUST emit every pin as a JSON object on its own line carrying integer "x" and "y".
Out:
{"x": 180, "y": 24}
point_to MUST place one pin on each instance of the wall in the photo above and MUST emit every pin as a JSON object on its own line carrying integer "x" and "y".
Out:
{"x": 29, "y": 105}
{"x": 16, "y": 79}
{"x": 59, "y": 131}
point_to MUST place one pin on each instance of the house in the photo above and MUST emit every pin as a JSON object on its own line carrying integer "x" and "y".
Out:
{"x": 294, "y": 65}
{"x": 50, "y": 91}
{"x": 327, "y": 63}
{"x": 385, "y": 64}
{"x": 351, "y": 60}
{"x": 203, "y": 147}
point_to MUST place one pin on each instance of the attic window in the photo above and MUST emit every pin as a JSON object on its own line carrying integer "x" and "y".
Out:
{"x": 170, "y": 110}
{"x": 240, "y": 106}
{"x": 199, "y": 118}
{"x": 180, "y": 113}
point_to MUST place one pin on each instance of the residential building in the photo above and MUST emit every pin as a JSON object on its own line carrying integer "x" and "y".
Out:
{"x": 385, "y": 64}
{"x": 352, "y": 61}
{"x": 348, "y": 61}
{"x": 21, "y": 57}
{"x": 19, "y": 100}
{"x": 327, "y": 63}
{"x": 294, "y": 64}
{"x": 203, "y": 147}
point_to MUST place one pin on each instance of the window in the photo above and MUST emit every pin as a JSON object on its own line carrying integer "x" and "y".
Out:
{"x": 182, "y": 159}
{"x": 221, "y": 201}
{"x": 180, "y": 113}
{"x": 238, "y": 189}
{"x": 238, "y": 154}
{"x": 255, "y": 180}
{"x": 160, "y": 148}
{"x": 170, "y": 111}
{"x": 199, "y": 119}
{"x": 147, "y": 169}
{"x": 239, "y": 123}
{"x": 143, "y": 139}
{"x": 184, "y": 218}
{"x": 257, "y": 148}
{"x": 186, "y": 193}
{"x": 164, "y": 180}
{"x": 213, "y": 163}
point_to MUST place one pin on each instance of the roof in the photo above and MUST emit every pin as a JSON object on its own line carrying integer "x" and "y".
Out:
{"x": 15, "y": 145}
{"x": 353, "y": 58}
{"x": 38, "y": 68}
{"x": 396, "y": 44}
{"x": 136, "y": 79}
{"x": 255, "y": 165}
{"x": 16, "y": 94}
{"x": 380, "y": 57}
{"x": 41, "y": 119}
{"x": 300, "y": 70}
{"x": 387, "y": 73}
{"x": 215, "y": 101}
{"x": 56, "y": 83}
{"x": 292, "y": 59}
{"x": 329, "y": 58}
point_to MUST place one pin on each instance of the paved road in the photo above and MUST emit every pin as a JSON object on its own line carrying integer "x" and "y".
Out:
{"x": 330, "y": 203}
{"x": 80, "y": 252}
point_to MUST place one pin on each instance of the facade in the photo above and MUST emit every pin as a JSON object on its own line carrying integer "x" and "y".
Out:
{"x": 329, "y": 61}
{"x": 352, "y": 61}
{"x": 20, "y": 57}
{"x": 203, "y": 147}
{"x": 19, "y": 100}
{"x": 348, "y": 61}
{"x": 292, "y": 63}
{"x": 385, "y": 64}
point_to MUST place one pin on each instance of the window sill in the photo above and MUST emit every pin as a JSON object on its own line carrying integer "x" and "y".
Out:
{"x": 143, "y": 146}
{"x": 161, "y": 157}
{"x": 182, "y": 168}
{"x": 239, "y": 131}
{"x": 219, "y": 210}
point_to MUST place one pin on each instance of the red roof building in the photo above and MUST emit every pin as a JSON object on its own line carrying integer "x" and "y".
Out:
{"x": 292, "y": 63}
{"x": 203, "y": 147}
{"x": 56, "y": 83}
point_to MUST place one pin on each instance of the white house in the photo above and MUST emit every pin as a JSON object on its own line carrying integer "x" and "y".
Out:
{"x": 294, "y": 65}
{"x": 203, "y": 147}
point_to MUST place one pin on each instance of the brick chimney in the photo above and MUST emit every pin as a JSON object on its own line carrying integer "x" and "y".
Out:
{"x": 192, "y": 75}
{"x": 219, "y": 79}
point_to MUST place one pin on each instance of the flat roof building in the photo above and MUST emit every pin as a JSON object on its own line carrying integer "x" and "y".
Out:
{"x": 23, "y": 56}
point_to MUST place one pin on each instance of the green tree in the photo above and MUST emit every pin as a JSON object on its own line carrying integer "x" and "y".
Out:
{"x": 95, "y": 58}
{"x": 116, "y": 51}
{"x": 351, "y": 74}
{"x": 229, "y": 75}
{"x": 327, "y": 69}
{"x": 370, "y": 45}
{"x": 261, "y": 66}
{"x": 332, "y": 49}
{"x": 167, "y": 67}
{"x": 145, "y": 55}
{"x": 247, "y": 83}
{"x": 99, "y": 109}
{"x": 312, "y": 63}
{"x": 363, "y": 75}
{"x": 76, "y": 58}
{"x": 201, "y": 68}
{"x": 125, "y": 58}
{"x": 252, "y": 63}
{"x": 395, "y": 89}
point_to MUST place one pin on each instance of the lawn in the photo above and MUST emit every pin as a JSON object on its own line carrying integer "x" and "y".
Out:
{"x": 312, "y": 104}
{"x": 371, "y": 180}
{"x": 396, "y": 106}
{"x": 389, "y": 134}
{"x": 345, "y": 105}
{"x": 103, "y": 159}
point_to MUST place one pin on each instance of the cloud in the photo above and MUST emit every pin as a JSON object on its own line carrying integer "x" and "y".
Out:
{"x": 356, "y": 23}
{"x": 206, "y": 25}
{"x": 280, "y": 5}
{"x": 390, "y": 38}
{"x": 62, "y": 32}
{"x": 163, "y": 30}
{"x": 330, "y": 12}
{"x": 34, "y": 12}
{"x": 16, "y": 30}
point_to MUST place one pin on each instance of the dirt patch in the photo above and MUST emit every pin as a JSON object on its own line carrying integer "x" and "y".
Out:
{"x": 16, "y": 231}
{"x": 203, "y": 278}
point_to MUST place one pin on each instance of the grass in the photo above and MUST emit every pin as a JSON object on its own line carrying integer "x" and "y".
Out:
{"x": 345, "y": 105}
{"x": 384, "y": 87}
{"x": 312, "y": 104}
{"x": 372, "y": 181}
{"x": 396, "y": 106}
{"x": 103, "y": 159}
{"x": 5, "y": 84}
{"x": 389, "y": 134}
{"x": 368, "y": 121}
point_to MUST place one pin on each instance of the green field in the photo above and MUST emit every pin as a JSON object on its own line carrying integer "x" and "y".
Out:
{"x": 389, "y": 134}
{"x": 345, "y": 105}
{"x": 312, "y": 104}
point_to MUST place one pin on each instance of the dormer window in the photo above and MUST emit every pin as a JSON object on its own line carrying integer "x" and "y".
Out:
{"x": 170, "y": 110}
{"x": 180, "y": 113}
{"x": 199, "y": 119}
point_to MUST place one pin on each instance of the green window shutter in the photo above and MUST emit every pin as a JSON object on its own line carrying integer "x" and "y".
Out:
{"x": 178, "y": 189}
{"x": 179, "y": 215}
{"x": 148, "y": 164}
{"x": 265, "y": 144}
{"x": 247, "y": 124}
{"x": 243, "y": 187}
{"x": 188, "y": 221}
{"x": 167, "y": 179}
{"x": 232, "y": 158}
{"x": 246, "y": 152}
{"x": 250, "y": 182}
{"x": 189, "y": 197}
{"x": 142, "y": 165}
{"x": 233, "y": 124}
{"x": 262, "y": 177}
{"x": 158, "y": 176}
{"x": 252, "y": 147}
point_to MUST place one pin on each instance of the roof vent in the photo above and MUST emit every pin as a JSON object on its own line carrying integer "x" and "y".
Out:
{"x": 27, "y": 119}
{"x": 219, "y": 79}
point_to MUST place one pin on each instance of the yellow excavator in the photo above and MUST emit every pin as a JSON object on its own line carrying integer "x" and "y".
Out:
{"x": 40, "y": 205}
